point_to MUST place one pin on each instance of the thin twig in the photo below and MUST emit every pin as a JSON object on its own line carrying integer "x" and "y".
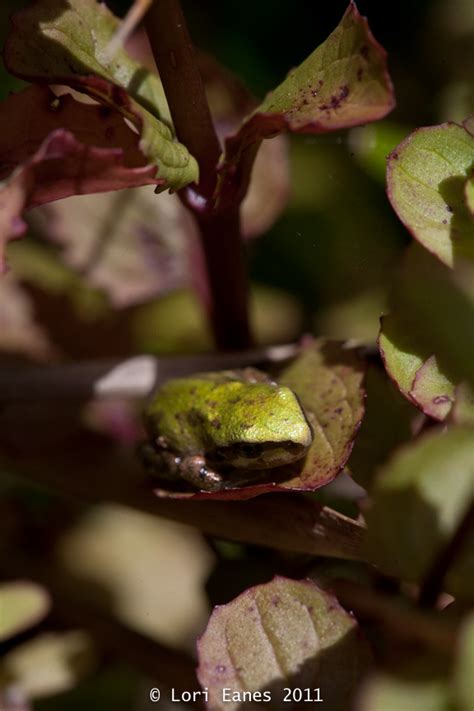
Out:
{"x": 128, "y": 25}
{"x": 225, "y": 294}
{"x": 97, "y": 473}
{"x": 111, "y": 378}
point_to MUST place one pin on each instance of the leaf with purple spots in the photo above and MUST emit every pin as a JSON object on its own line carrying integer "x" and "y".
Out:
{"x": 279, "y": 638}
{"x": 343, "y": 83}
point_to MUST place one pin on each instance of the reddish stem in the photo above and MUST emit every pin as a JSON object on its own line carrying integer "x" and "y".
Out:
{"x": 227, "y": 297}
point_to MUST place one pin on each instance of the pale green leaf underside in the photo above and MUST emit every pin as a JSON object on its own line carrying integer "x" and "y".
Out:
{"x": 419, "y": 377}
{"x": 426, "y": 176}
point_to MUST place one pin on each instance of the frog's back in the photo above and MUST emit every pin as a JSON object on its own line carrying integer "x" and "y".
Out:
{"x": 212, "y": 410}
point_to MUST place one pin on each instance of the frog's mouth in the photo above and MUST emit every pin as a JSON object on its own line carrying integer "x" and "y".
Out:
{"x": 257, "y": 456}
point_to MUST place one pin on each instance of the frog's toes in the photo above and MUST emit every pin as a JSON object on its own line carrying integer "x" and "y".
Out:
{"x": 195, "y": 471}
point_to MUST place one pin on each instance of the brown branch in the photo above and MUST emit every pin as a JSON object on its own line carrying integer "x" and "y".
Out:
{"x": 432, "y": 585}
{"x": 176, "y": 61}
{"x": 402, "y": 620}
{"x": 226, "y": 297}
{"x": 287, "y": 522}
{"x": 121, "y": 377}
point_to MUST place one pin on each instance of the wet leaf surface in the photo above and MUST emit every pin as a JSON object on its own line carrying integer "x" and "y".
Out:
{"x": 426, "y": 178}
{"x": 328, "y": 380}
{"x": 284, "y": 634}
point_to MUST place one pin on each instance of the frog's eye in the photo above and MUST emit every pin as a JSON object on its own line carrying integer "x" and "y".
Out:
{"x": 250, "y": 450}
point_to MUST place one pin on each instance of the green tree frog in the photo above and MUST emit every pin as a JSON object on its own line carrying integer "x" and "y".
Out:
{"x": 211, "y": 428}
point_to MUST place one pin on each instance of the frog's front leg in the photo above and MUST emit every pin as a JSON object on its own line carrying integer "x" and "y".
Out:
{"x": 195, "y": 471}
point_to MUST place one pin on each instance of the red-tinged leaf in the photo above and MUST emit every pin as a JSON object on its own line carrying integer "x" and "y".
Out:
{"x": 23, "y": 604}
{"x": 417, "y": 375}
{"x": 343, "y": 83}
{"x": 426, "y": 179}
{"x": 53, "y": 148}
{"x": 57, "y": 43}
{"x": 432, "y": 312}
{"x": 432, "y": 391}
{"x": 327, "y": 378}
{"x": 133, "y": 245}
{"x": 62, "y": 41}
{"x": 280, "y": 638}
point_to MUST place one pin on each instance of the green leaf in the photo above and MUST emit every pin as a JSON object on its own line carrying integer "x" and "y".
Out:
{"x": 22, "y": 605}
{"x": 328, "y": 380}
{"x": 343, "y": 83}
{"x": 426, "y": 178}
{"x": 68, "y": 40}
{"x": 420, "y": 498}
{"x": 65, "y": 44}
{"x": 432, "y": 313}
{"x": 286, "y": 633}
{"x": 418, "y": 376}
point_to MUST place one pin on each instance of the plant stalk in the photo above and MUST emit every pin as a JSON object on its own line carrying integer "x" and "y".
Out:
{"x": 226, "y": 297}
{"x": 433, "y": 583}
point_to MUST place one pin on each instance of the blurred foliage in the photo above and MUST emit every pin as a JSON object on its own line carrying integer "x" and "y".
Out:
{"x": 327, "y": 266}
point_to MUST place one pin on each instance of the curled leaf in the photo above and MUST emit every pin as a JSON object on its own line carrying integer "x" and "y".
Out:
{"x": 328, "y": 381}
{"x": 418, "y": 376}
{"x": 65, "y": 43}
{"x": 426, "y": 178}
{"x": 432, "y": 312}
{"x": 53, "y": 148}
{"x": 276, "y": 639}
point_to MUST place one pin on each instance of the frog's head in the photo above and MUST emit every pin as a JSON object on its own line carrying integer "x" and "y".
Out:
{"x": 263, "y": 426}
